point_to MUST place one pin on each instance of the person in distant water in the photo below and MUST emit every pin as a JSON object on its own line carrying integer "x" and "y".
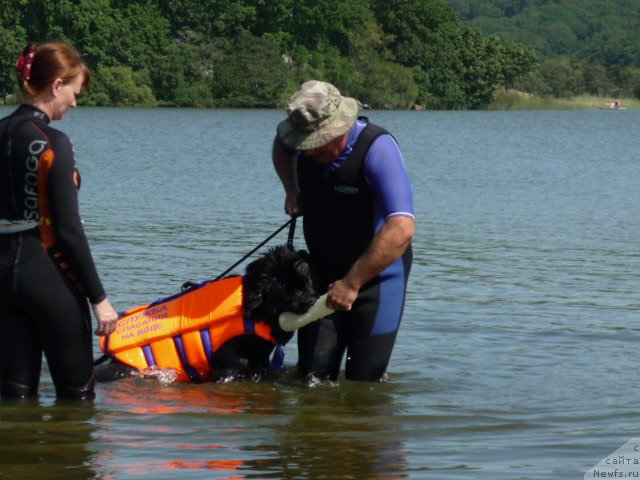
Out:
{"x": 46, "y": 268}
{"x": 348, "y": 179}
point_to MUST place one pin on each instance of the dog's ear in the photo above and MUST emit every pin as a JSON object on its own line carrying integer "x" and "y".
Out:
{"x": 260, "y": 280}
{"x": 253, "y": 286}
{"x": 319, "y": 285}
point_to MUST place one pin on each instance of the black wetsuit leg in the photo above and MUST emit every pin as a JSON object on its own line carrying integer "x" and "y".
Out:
{"x": 19, "y": 376}
{"x": 322, "y": 344}
{"x": 43, "y": 312}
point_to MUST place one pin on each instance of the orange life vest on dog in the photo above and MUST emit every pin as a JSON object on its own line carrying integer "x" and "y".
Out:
{"x": 181, "y": 332}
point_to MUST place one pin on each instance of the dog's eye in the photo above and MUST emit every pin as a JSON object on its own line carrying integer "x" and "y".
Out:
{"x": 302, "y": 267}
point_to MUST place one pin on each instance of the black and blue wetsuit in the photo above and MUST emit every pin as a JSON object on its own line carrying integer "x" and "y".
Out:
{"x": 345, "y": 204}
{"x": 46, "y": 268}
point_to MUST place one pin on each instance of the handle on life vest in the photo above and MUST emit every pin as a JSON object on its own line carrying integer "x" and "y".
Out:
{"x": 290, "y": 321}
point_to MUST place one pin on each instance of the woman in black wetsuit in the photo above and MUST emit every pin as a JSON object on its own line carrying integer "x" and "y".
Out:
{"x": 46, "y": 268}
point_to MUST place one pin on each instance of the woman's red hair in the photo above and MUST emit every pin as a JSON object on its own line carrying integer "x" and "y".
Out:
{"x": 52, "y": 60}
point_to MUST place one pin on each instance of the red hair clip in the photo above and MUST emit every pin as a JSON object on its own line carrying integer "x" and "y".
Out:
{"x": 23, "y": 66}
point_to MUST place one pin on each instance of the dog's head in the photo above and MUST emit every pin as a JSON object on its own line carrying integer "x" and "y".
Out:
{"x": 281, "y": 280}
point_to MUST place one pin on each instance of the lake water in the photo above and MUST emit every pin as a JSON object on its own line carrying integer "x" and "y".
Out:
{"x": 518, "y": 353}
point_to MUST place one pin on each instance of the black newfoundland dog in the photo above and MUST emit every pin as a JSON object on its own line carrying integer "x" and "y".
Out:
{"x": 280, "y": 280}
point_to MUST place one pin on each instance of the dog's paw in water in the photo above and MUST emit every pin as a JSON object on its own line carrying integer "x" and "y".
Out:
{"x": 112, "y": 371}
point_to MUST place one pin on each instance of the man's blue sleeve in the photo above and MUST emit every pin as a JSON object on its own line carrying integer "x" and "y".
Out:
{"x": 387, "y": 176}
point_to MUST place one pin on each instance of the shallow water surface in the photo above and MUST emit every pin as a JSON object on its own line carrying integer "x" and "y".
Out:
{"x": 517, "y": 354}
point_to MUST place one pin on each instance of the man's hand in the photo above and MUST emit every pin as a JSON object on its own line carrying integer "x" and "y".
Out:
{"x": 341, "y": 295}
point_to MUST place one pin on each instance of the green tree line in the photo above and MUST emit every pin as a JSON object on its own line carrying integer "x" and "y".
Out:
{"x": 584, "y": 46}
{"x": 254, "y": 53}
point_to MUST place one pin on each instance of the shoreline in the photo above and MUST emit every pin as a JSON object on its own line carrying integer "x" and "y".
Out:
{"x": 517, "y": 100}
{"x": 504, "y": 100}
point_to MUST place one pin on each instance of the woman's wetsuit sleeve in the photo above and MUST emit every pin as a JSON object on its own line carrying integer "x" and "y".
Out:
{"x": 70, "y": 236}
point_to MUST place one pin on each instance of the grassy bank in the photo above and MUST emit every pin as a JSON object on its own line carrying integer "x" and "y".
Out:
{"x": 515, "y": 100}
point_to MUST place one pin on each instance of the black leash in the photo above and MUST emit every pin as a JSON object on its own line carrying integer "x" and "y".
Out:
{"x": 291, "y": 221}
{"x": 292, "y": 227}
{"x": 292, "y": 232}
{"x": 102, "y": 359}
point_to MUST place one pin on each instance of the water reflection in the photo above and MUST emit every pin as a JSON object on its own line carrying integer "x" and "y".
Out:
{"x": 39, "y": 441}
{"x": 332, "y": 431}
{"x": 149, "y": 428}
{"x": 340, "y": 431}
{"x": 350, "y": 430}
{"x": 147, "y": 396}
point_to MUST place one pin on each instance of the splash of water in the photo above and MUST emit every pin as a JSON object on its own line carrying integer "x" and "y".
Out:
{"x": 164, "y": 376}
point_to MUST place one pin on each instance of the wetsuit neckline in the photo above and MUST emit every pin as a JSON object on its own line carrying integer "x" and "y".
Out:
{"x": 354, "y": 133}
{"x": 36, "y": 112}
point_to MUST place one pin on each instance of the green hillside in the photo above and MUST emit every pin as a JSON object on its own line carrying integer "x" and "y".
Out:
{"x": 254, "y": 53}
{"x": 387, "y": 53}
{"x": 603, "y": 30}
{"x": 585, "y": 46}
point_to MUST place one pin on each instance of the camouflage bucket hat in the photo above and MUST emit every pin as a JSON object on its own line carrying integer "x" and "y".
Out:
{"x": 317, "y": 114}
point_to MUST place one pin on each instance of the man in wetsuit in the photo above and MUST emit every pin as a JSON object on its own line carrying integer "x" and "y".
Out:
{"x": 46, "y": 268}
{"x": 347, "y": 177}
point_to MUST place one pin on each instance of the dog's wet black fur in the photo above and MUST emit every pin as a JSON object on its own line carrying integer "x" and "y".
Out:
{"x": 280, "y": 280}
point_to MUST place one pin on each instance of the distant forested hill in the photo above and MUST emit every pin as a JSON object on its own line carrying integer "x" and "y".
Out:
{"x": 604, "y": 30}
{"x": 255, "y": 53}
{"x": 387, "y": 53}
{"x": 593, "y": 44}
